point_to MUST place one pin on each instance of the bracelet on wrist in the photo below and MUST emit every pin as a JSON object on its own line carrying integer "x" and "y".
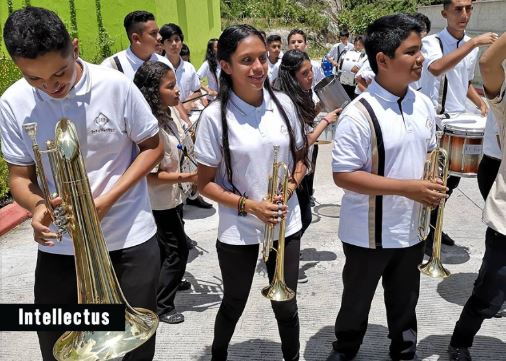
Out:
{"x": 326, "y": 121}
{"x": 241, "y": 207}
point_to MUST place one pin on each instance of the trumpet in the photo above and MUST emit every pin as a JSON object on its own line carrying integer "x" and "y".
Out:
{"x": 96, "y": 280}
{"x": 277, "y": 290}
{"x": 436, "y": 166}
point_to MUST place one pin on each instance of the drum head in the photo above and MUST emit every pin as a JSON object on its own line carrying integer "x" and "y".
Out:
{"x": 465, "y": 124}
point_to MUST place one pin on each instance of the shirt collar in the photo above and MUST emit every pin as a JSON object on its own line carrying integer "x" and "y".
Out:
{"x": 246, "y": 108}
{"x": 449, "y": 38}
{"x": 134, "y": 58}
{"x": 382, "y": 93}
{"x": 82, "y": 87}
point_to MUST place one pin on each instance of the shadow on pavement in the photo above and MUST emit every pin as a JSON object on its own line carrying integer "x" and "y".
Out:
{"x": 374, "y": 347}
{"x": 192, "y": 212}
{"x": 455, "y": 254}
{"x": 328, "y": 210}
{"x": 485, "y": 348}
{"x": 312, "y": 254}
{"x": 203, "y": 295}
{"x": 251, "y": 350}
{"x": 457, "y": 288}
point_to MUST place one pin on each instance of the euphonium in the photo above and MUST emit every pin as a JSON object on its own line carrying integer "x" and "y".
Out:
{"x": 96, "y": 279}
{"x": 277, "y": 290}
{"x": 436, "y": 167}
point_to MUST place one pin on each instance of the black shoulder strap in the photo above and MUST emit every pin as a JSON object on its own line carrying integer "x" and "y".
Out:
{"x": 443, "y": 87}
{"x": 118, "y": 64}
{"x": 375, "y": 218}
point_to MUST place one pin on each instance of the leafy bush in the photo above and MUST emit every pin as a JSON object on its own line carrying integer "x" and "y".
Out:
{"x": 4, "y": 185}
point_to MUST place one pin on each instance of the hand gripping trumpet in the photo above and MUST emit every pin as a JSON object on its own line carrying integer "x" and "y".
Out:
{"x": 96, "y": 279}
{"x": 436, "y": 167}
{"x": 277, "y": 290}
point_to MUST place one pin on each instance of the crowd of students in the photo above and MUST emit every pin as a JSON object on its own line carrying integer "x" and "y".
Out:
{"x": 131, "y": 126}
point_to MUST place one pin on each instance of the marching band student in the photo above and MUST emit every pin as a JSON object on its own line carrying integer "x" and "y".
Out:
{"x": 157, "y": 82}
{"x": 186, "y": 75}
{"x": 234, "y": 146}
{"x": 380, "y": 146}
{"x": 338, "y": 50}
{"x": 295, "y": 79}
{"x": 185, "y": 53}
{"x": 450, "y": 61}
{"x": 210, "y": 69}
{"x": 297, "y": 40}
{"x": 119, "y": 142}
{"x": 274, "y": 54}
{"x": 142, "y": 32}
{"x": 491, "y": 160}
{"x": 489, "y": 292}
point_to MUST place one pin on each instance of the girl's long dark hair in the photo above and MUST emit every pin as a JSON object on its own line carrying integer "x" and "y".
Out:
{"x": 288, "y": 84}
{"x": 148, "y": 78}
{"x": 211, "y": 58}
{"x": 227, "y": 45}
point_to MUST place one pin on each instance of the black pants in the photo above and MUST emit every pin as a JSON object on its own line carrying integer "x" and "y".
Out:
{"x": 350, "y": 90}
{"x": 451, "y": 183}
{"x": 401, "y": 284}
{"x": 489, "y": 292}
{"x": 304, "y": 195}
{"x": 237, "y": 264}
{"x": 487, "y": 172}
{"x": 137, "y": 269}
{"x": 173, "y": 255}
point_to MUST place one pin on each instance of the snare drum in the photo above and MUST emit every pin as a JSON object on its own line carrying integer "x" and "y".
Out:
{"x": 348, "y": 61}
{"x": 463, "y": 140}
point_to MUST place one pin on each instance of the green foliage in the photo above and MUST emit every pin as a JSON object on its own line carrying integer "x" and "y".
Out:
{"x": 269, "y": 13}
{"x": 4, "y": 174}
{"x": 73, "y": 19}
{"x": 27, "y": 3}
{"x": 104, "y": 41}
{"x": 357, "y": 15}
{"x": 9, "y": 73}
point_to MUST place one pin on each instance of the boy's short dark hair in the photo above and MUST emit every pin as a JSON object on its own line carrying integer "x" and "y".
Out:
{"x": 344, "y": 33}
{"x": 297, "y": 31}
{"x": 273, "y": 37}
{"x": 31, "y": 32}
{"x": 386, "y": 34}
{"x": 169, "y": 30}
{"x": 185, "y": 50}
{"x": 134, "y": 21}
{"x": 424, "y": 21}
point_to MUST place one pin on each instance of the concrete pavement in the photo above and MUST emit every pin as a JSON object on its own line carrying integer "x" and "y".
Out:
{"x": 256, "y": 336}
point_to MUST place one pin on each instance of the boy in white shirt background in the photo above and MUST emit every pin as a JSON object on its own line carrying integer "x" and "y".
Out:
{"x": 119, "y": 142}
{"x": 142, "y": 32}
{"x": 338, "y": 50}
{"x": 450, "y": 61}
{"x": 380, "y": 147}
{"x": 274, "y": 55}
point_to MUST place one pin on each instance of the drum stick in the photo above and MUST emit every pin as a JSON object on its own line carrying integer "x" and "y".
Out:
{"x": 194, "y": 98}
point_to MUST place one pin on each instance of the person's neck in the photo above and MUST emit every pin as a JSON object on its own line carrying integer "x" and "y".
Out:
{"x": 174, "y": 59}
{"x": 388, "y": 83}
{"x": 140, "y": 54}
{"x": 457, "y": 34}
{"x": 252, "y": 98}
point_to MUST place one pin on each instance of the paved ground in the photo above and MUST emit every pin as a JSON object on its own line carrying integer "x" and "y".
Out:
{"x": 256, "y": 336}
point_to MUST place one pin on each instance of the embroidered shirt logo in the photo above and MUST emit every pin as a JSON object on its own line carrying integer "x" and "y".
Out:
{"x": 101, "y": 122}
{"x": 283, "y": 129}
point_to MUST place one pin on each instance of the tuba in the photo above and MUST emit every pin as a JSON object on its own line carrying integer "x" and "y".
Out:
{"x": 277, "y": 290}
{"x": 96, "y": 279}
{"x": 435, "y": 167}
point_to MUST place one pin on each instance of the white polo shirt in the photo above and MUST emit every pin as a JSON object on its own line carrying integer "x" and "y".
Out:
{"x": 408, "y": 134}
{"x": 458, "y": 77}
{"x": 187, "y": 79}
{"x": 130, "y": 62}
{"x": 205, "y": 72}
{"x": 494, "y": 213}
{"x": 111, "y": 117}
{"x": 491, "y": 145}
{"x": 366, "y": 73}
{"x": 338, "y": 50}
{"x": 273, "y": 70}
{"x": 252, "y": 133}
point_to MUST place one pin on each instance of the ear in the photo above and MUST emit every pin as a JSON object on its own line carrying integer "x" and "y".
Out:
{"x": 444, "y": 13}
{"x": 381, "y": 60}
{"x": 225, "y": 66}
{"x": 75, "y": 48}
{"x": 135, "y": 38}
